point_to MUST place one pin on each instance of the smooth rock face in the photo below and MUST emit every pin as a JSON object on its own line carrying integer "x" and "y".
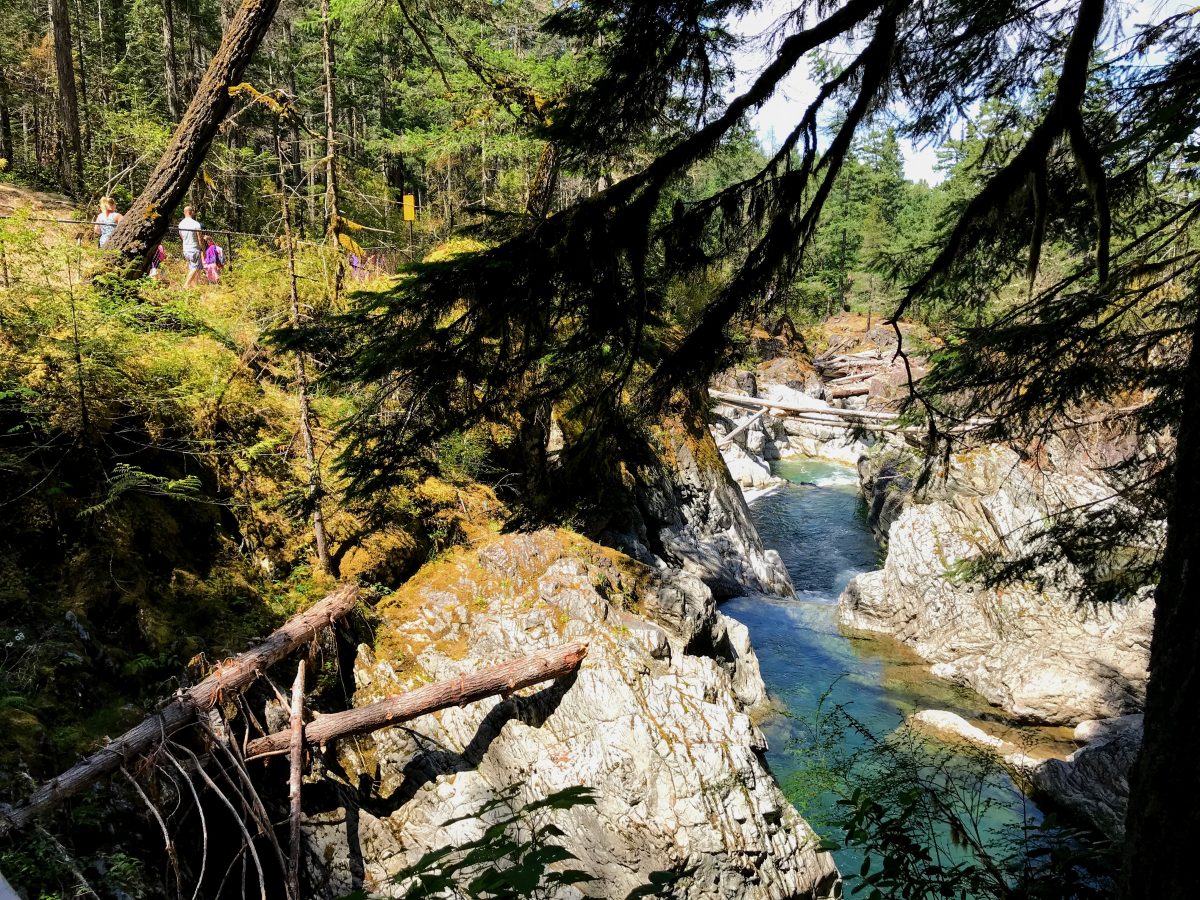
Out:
{"x": 1092, "y": 784}
{"x": 692, "y": 516}
{"x": 886, "y": 488}
{"x": 657, "y": 721}
{"x": 747, "y": 470}
{"x": 943, "y": 722}
{"x": 1040, "y": 653}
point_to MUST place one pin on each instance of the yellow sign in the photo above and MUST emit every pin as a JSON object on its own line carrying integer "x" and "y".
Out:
{"x": 410, "y": 208}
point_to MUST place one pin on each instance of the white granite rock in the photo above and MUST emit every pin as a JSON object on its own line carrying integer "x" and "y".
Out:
{"x": 657, "y": 721}
{"x": 747, "y": 470}
{"x": 1036, "y": 650}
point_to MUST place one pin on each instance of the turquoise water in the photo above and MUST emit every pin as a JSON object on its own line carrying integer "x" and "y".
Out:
{"x": 817, "y": 523}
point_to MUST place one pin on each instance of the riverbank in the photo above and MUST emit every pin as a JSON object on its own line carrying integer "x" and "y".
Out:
{"x": 813, "y": 668}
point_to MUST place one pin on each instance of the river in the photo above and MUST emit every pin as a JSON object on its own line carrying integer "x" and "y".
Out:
{"x": 817, "y": 522}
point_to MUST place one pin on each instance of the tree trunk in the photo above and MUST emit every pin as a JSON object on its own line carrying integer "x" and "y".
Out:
{"x": 139, "y": 233}
{"x": 502, "y": 679}
{"x": 840, "y": 393}
{"x": 84, "y": 116}
{"x": 332, "y": 220}
{"x": 545, "y": 181}
{"x": 70, "y": 145}
{"x": 294, "y": 150}
{"x": 228, "y": 678}
{"x": 1164, "y": 786}
{"x": 170, "y": 61}
{"x": 116, "y": 30}
{"x": 310, "y": 455}
{"x": 6, "y": 139}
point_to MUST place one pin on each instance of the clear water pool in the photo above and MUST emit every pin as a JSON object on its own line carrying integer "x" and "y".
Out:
{"x": 817, "y": 522}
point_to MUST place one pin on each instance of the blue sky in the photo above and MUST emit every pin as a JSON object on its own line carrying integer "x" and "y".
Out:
{"x": 779, "y": 114}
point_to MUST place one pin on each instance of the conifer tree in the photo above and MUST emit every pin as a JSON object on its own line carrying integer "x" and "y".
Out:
{"x": 577, "y": 310}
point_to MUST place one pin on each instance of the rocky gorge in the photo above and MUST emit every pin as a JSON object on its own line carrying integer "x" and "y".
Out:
{"x": 1035, "y": 649}
{"x": 659, "y": 721}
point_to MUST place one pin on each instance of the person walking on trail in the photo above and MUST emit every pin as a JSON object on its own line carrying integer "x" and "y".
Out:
{"x": 191, "y": 233}
{"x": 214, "y": 260}
{"x": 106, "y": 222}
{"x": 160, "y": 257}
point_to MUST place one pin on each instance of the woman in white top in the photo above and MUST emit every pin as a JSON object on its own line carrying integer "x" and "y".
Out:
{"x": 106, "y": 222}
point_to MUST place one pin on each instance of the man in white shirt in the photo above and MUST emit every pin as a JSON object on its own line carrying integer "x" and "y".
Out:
{"x": 190, "y": 232}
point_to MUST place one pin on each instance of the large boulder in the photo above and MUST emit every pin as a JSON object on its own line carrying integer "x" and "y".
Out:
{"x": 748, "y": 470}
{"x": 886, "y": 480}
{"x": 1092, "y": 784}
{"x": 1033, "y": 647}
{"x": 658, "y": 721}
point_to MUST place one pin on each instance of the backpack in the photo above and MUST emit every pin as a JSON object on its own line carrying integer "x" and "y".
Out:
{"x": 220, "y": 254}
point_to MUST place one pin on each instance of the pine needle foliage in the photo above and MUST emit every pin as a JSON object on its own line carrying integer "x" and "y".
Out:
{"x": 1101, "y": 352}
{"x": 577, "y": 312}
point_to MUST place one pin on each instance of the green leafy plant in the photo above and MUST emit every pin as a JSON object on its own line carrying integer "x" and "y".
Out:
{"x": 127, "y": 479}
{"x": 923, "y": 820}
{"x": 517, "y": 856}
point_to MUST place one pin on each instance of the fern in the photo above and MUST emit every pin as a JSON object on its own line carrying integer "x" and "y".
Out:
{"x": 127, "y": 479}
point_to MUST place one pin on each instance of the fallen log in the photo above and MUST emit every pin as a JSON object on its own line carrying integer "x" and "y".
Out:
{"x": 857, "y": 417}
{"x": 840, "y": 393}
{"x": 228, "y": 678}
{"x": 728, "y": 439}
{"x": 502, "y": 679}
{"x": 780, "y": 409}
{"x": 850, "y": 379}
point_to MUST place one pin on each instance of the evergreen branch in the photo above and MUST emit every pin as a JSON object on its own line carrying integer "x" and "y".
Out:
{"x": 1004, "y": 184}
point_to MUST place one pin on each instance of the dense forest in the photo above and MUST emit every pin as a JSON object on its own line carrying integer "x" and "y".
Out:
{"x": 480, "y": 263}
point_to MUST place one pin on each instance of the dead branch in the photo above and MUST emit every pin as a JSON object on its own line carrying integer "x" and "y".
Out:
{"x": 237, "y": 818}
{"x": 294, "y": 777}
{"x": 229, "y": 678}
{"x": 199, "y": 812}
{"x": 249, "y": 797}
{"x": 502, "y": 679}
{"x": 168, "y": 844}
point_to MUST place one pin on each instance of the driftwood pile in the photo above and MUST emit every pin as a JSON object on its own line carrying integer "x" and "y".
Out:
{"x": 149, "y": 744}
{"x": 847, "y": 374}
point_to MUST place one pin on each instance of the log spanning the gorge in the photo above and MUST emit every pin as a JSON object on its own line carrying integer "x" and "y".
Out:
{"x": 228, "y": 678}
{"x": 817, "y": 415}
{"x": 505, "y": 678}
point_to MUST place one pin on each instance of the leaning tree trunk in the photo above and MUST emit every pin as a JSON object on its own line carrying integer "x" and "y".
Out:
{"x": 139, "y": 233}
{"x": 71, "y": 146}
{"x": 1164, "y": 797}
{"x": 503, "y": 679}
